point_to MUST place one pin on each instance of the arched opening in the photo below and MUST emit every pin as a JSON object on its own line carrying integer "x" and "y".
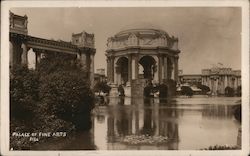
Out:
{"x": 31, "y": 59}
{"x": 149, "y": 66}
{"x": 122, "y": 70}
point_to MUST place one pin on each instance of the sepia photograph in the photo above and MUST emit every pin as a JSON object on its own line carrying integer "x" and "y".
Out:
{"x": 135, "y": 78}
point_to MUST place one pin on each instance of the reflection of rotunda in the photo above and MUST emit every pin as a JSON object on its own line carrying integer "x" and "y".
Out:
{"x": 137, "y": 55}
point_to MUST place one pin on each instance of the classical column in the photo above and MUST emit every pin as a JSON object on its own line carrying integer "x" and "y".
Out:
{"x": 11, "y": 61}
{"x": 176, "y": 69}
{"x": 115, "y": 75}
{"x": 38, "y": 58}
{"x": 160, "y": 68}
{"x": 108, "y": 68}
{"x": 135, "y": 67}
{"x": 226, "y": 84}
{"x": 165, "y": 67}
{"x": 112, "y": 73}
{"x": 24, "y": 57}
{"x": 92, "y": 70}
{"x": 129, "y": 69}
{"x": 83, "y": 60}
{"x": 157, "y": 70}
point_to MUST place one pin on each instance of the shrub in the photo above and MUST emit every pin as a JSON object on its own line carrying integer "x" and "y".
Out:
{"x": 102, "y": 87}
{"x": 23, "y": 92}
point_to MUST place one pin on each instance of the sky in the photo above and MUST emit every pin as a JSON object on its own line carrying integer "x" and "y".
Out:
{"x": 207, "y": 35}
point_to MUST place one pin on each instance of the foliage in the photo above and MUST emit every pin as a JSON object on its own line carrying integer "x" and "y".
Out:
{"x": 23, "y": 92}
{"x": 221, "y": 147}
{"x": 186, "y": 90}
{"x": 65, "y": 91}
{"x": 204, "y": 89}
{"x": 54, "y": 97}
{"x": 229, "y": 91}
{"x": 102, "y": 87}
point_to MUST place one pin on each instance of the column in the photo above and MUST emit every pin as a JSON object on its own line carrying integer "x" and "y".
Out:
{"x": 115, "y": 75}
{"x": 83, "y": 59}
{"x": 160, "y": 68}
{"x": 226, "y": 81}
{"x": 112, "y": 73}
{"x": 91, "y": 70}
{"x": 157, "y": 70}
{"x": 165, "y": 67}
{"x": 38, "y": 58}
{"x": 11, "y": 61}
{"x": 108, "y": 68}
{"x": 176, "y": 69}
{"x": 135, "y": 67}
{"x": 129, "y": 69}
{"x": 24, "y": 56}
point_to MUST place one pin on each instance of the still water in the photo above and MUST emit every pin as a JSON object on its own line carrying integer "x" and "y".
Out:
{"x": 187, "y": 123}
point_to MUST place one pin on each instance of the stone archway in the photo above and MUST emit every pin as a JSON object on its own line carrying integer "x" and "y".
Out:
{"x": 122, "y": 70}
{"x": 149, "y": 66}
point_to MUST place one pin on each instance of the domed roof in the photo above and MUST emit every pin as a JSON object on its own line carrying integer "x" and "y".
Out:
{"x": 141, "y": 31}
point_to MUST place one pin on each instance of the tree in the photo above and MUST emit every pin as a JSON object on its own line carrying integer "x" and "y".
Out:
{"x": 186, "y": 90}
{"x": 65, "y": 91}
{"x": 229, "y": 91}
{"x": 23, "y": 92}
{"x": 102, "y": 87}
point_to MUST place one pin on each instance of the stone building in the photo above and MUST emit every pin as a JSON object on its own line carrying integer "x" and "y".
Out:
{"x": 21, "y": 43}
{"x": 217, "y": 79}
{"x": 137, "y": 55}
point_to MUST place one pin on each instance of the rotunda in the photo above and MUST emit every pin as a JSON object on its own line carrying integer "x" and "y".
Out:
{"x": 135, "y": 56}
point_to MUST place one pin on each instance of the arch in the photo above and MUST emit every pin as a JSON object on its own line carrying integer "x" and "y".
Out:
{"x": 149, "y": 64}
{"x": 122, "y": 70}
{"x": 31, "y": 59}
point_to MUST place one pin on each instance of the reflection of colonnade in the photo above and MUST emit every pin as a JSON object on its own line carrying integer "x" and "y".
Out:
{"x": 150, "y": 120}
{"x": 81, "y": 47}
{"x": 137, "y": 54}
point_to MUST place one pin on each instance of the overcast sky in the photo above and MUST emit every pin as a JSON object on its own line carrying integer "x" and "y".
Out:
{"x": 207, "y": 36}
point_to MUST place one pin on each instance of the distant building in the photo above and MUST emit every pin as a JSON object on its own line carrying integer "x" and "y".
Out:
{"x": 217, "y": 79}
{"x": 100, "y": 76}
{"x": 100, "y": 71}
{"x": 191, "y": 79}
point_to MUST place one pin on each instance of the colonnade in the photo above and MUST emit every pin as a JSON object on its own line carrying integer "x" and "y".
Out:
{"x": 166, "y": 67}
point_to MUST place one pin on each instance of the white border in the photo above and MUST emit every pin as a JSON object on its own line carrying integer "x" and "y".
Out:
{"x": 6, "y": 5}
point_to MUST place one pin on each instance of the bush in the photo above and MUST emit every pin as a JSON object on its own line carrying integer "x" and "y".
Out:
{"x": 102, "y": 87}
{"x": 65, "y": 90}
{"x": 23, "y": 92}
{"x": 66, "y": 95}
{"x": 54, "y": 97}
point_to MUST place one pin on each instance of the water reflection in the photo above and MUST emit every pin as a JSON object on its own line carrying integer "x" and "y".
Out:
{"x": 185, "y": 128}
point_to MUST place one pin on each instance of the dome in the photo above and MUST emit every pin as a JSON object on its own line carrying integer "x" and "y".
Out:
{"x": 141, "y": 32}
